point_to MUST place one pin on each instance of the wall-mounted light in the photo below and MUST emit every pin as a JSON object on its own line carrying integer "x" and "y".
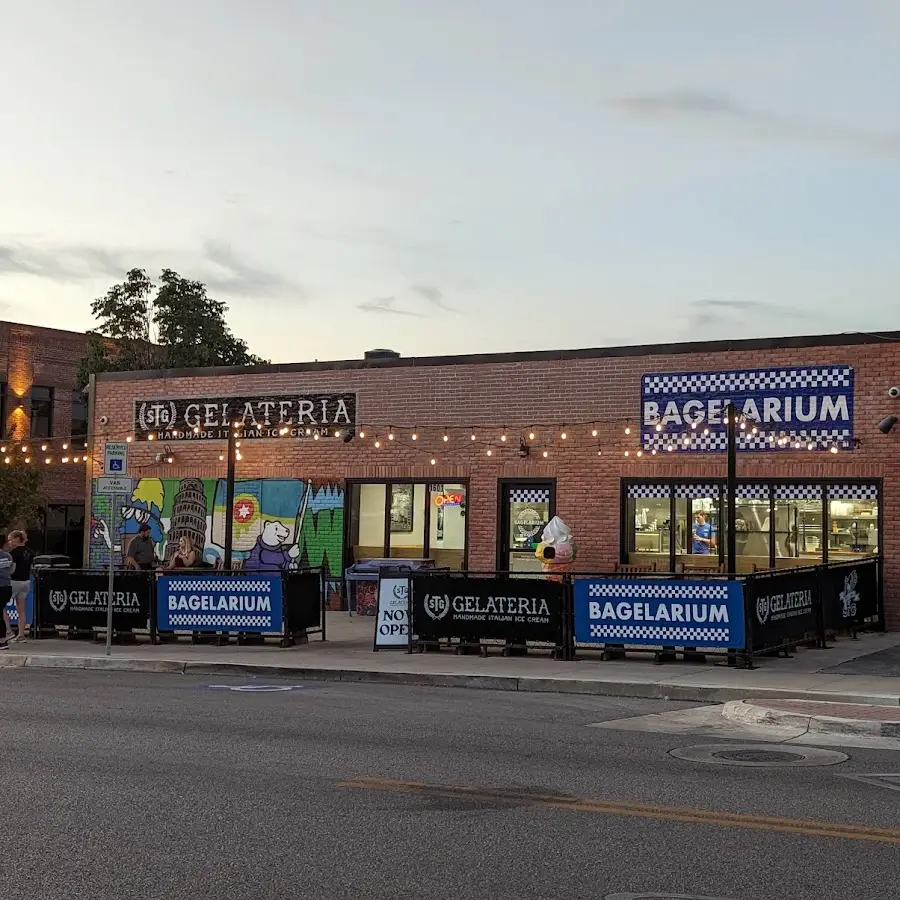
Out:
{"x": 886, "y": 425}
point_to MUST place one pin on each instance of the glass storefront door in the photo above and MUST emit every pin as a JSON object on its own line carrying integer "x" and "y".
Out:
{"x": 525, "y": 509}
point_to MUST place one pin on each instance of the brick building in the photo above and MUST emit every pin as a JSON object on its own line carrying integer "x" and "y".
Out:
{"x": 38, "y": 404}
{"x": 641, "y": 457}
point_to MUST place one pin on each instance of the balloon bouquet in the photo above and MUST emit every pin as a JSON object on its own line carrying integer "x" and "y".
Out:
{"x": 557, "y": 550}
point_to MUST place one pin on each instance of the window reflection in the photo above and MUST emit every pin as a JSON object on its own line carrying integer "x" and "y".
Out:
{"x": 651, "y": 525}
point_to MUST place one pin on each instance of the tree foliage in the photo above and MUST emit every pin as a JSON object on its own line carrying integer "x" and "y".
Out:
{"x": 172, "y": 325}
{"x": 21, "y": 493}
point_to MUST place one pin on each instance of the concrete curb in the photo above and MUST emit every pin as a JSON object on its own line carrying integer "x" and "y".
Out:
{"x": 692, "y": 693}
{"x": 748, "y": 713}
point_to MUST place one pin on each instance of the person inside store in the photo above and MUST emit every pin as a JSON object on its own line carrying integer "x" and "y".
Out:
{"x": 185, "y": 557}
{"x": 141, "y": 550}
{"x": 704, "y": 536}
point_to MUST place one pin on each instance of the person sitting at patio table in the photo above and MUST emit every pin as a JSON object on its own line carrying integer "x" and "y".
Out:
{"x": 185, "y": 557}
{"x": 704, "y": 536}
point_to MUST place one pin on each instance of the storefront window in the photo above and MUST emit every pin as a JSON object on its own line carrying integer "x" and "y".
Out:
{"x": 798, "y": 524}
{"x": 753, "y": 511}
{"x": 406, "y": 520}
{"x": 852, "y": 521}
{"x": 406, "y": 537}
{"x": 367, "y": 521}
{"x": 447, "y": 526}
{"x": 697, "y": 524}
{"x": 649, "y": 524}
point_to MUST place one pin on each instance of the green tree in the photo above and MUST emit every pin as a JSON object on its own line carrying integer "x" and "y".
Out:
{"x": 178, "y": 327}
{"x": 21, "y": 492}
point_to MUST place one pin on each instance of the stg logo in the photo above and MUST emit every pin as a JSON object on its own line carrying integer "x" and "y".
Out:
{"x": 762, "y": 610}
{"x": 58, "y": 600}
{"x": 849, "y": 596}
{"x": 437, "y": 606}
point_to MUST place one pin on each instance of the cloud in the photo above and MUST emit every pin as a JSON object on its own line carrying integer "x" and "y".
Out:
{"x": 386, "y": 306}
{"x": 701, "y": 316}
{"x": 234, "y": 275}
{"x": 60, "y": 263}
{"x": 433, "y": 295}
{"x": 720, "y": 110}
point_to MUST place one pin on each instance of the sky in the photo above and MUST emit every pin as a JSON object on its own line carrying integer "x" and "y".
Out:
{"x": 465, "y": 177}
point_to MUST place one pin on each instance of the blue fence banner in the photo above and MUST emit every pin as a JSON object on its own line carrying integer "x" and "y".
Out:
{"x": 813, "y": 404}
{"x": 659, "y": 612}
{"x": 193, "y": 602}
{"x": 13, "y": 613}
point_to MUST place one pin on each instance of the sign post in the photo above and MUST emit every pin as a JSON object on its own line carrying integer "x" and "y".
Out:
{"x": 115, "y": 468}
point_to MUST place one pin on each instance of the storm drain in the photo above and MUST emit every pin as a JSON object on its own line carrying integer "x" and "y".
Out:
{"x": 758, "y": 755}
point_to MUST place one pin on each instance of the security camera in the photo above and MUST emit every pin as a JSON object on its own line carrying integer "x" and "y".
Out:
{"x": 886, "y": 425}
{"x": 105, "y": 419}
{"x": 894, "y": 391}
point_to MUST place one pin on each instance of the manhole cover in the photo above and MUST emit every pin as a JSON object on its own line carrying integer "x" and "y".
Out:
{"x": 760, "y": 755}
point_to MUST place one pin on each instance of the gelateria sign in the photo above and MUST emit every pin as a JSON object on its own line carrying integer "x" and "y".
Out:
{"x": 269, "y": 416}
{"x": 813, "y": 404}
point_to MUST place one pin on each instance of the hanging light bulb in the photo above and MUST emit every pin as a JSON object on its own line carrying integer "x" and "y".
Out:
{"x": 599, "y": 451}
{"x": 237, "y": 443}
{"x": 490, "y": 452}
{"x": 563, "y": 435}
{"x": 170, "y": 460}
{"x": 433, "y": 461}
{"x": 415, "y": 435}
{"x": 43, "y": 447}
{"x": 221, "y": 457}
{"x": 129, "y": 438}
{"x": 705, "y": 432}
{"x": 446, "y": 437}
{"x": 834, "y": 448}
{"x": 640, "y": 453}
{"x": 27, "y": 459}
{"x": 545, "y": 454}
{"x": 3, "y": 449}
{"x": 531, "y": 435}
{"x": 150, "y": 436}
{"x": 653, "y": 452}
{"x": 7, "y": 460}
{"x": 659, "y": 426}
{"x": 75, "y": 459}
{"x": 377, "y": 443}
{"x": 472, "y": 436}
{"x": 694, "y": 425}
{"x": 810, "y": 446}
{"x": 362, "y": 434}
{"x": 670, "y": 448}
{"x": 503, "y": 436}
{"x": 627, "y": 429}
{"x": 65, "y": 459}
{"x": 196, "y": 429}
{"x": 594, "y": 431}
{"x": 390, "y": 432}
{"x": 316, "y": 436}
{"x": 238, "y": 456}
{"x": 628, "y": 453}
{"x": 24, "y": 448}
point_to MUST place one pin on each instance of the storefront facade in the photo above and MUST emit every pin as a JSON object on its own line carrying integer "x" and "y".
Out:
{"x": 463, "y": 460}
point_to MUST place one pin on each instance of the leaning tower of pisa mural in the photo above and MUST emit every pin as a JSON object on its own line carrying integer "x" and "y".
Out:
{"x": 188, "y": 516}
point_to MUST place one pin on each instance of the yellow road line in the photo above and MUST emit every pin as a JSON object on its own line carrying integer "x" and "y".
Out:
{"x": 637, "y": 810}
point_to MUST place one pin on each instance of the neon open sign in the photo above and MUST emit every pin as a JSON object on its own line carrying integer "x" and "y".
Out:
{"x": 448, "y": 499}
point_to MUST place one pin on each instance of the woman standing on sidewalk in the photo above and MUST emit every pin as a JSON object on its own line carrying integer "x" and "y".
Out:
{"x": 6, "y": 569}
{"x": 21, "y": 579}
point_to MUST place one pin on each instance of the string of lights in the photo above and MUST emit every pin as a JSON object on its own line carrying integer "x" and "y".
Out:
{"x": 440, "y": 442}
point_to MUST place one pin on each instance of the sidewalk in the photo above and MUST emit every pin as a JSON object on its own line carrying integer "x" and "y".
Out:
{"x": 347, "y": 656}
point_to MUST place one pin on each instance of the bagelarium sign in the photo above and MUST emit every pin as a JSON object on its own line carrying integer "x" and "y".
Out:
{"x": 487, "y": 608}
{"x": 209, "y": 418}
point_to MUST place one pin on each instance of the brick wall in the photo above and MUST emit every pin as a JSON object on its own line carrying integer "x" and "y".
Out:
{"x": 45, "y": 357}
{"x": 517, "y": 394}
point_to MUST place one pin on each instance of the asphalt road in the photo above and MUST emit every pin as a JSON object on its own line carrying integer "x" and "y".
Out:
{"x": 151, "y": 786}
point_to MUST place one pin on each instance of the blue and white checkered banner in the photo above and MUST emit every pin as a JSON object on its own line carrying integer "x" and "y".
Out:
{"x": 196, "y": 602}
{"x": 13, "y": 613}
{"x": 813, "y": 405}
{"x": 690, "y": 613}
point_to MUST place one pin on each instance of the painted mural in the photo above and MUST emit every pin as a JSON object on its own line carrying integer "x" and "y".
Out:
{"x": 279, "y": 523}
